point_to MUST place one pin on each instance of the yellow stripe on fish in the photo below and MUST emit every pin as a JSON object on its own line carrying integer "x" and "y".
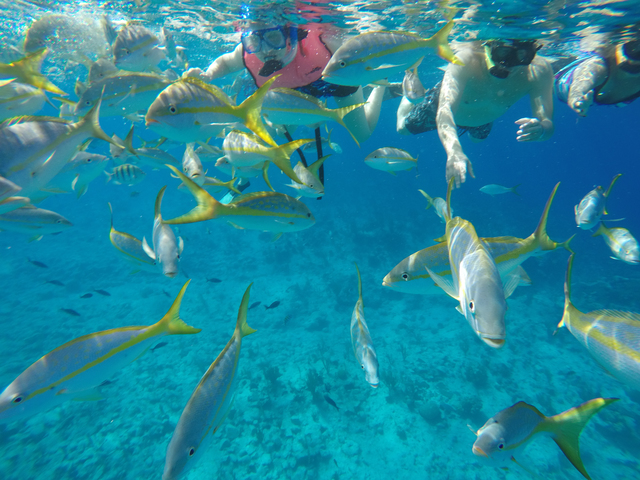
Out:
{"x": 611, "y": 337}
{"x": 209, "y": 403}
{"x": 76, "y": 368}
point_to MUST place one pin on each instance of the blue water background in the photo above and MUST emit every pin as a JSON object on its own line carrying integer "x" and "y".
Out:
{"x": 436, "y": 376}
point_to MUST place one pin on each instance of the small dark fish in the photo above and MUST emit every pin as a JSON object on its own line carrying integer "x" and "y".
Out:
{"x": 55, "y": 282}
{"x": 160, "y": 345}
{"x": 70, "y": 312}
{"x": 87, "y": 295}
{"x": 166, "y": 293}
{"x": 273, "y": 305}
{"x": 331, "y": 402}
{"x": 214, "y": 280}
{"x": 106, "y": 382}
{"x": 254, "y": 305}
{"x": 134, "y": 194}
{"x": 37, "y": 263}
{"x": 103, "y": 292}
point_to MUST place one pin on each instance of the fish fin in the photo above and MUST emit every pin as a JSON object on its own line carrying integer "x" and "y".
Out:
{"x": 359, "y": 285}
{"x": 613, "y": 258}
{"x": 606, "y": 194}
{"x": 429, "y": 199}
{"x": 511, "y": 282}
{"x": 92, "y": 395}
{"x": 315, "y": 166}
{"x": 238, "y": 227}
{"x": 566, "y": 243}
{"x": 91, "y": 122}
{"x": 265, "y": 168}
{"x": 147, "y": 249}
{"x": 180, "y": 245}
{"x": 540, "y": 235}
{"x": 602, "y": 230}
{"x": 514, "y": 189}
{"x": 249, "y": 112}
{"x": 128, "y": 142}
{"x": 447, "y": 212}
{"x": 568, "y": 306}
{"x": 566, "y": 428}
{"x": 276, "y": 237}
{"x": 282, "y": 154}
{"x": 440, "y": 239}
{"x": 384, "y": 66}
{"x": 441, "y": 45}
{"x": 171, "y": 323}
{"x": 36, "y": 238}
{"x": 459, "y": 309}
{"x": 338, "y": 115}
{"x": 207, "y": 208}
{"x": 241, "y": 325}
{"x": 391, "y": 172}
{"x": 158, "y": 206}
{"x": 28, "y": 70}
{"x": 443, "y": 283}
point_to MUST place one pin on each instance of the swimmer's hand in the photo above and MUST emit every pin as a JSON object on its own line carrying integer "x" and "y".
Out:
{"x": 582, "y": 104}
{"x": 531, "y": 130}
{"x": 457, "y": 166}
{"x": 197, "y": 73}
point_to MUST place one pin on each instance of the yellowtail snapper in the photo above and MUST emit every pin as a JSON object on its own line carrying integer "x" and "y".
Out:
{"x": 361, "y": 340}
{"x": 209, "y": 403}
{"x": 75, "y": 369}
{"x": 593, "y": 206}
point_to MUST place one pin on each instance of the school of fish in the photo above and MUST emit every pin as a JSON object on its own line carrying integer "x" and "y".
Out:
{"x": 133, "y": 79}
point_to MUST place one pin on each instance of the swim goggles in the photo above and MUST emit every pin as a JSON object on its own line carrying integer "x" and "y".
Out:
{"x": 274, "y": 38}
{"x": 501, "y": 56}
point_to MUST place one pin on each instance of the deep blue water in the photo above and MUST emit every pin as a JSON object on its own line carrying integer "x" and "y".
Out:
{"x": 436, "y": 376}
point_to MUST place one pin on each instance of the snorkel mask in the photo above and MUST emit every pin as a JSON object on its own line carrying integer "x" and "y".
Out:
{"x": 268, "y": 40}
{"x": 501, "y": 55}
{"x": 628, "y": 56}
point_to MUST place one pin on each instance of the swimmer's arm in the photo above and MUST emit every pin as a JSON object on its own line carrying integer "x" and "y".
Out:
{"x": 223, "y": 65}
{"x": 541, "y": 96}
{"x": 453, "y": 84}
{"x": 588, "y": 75}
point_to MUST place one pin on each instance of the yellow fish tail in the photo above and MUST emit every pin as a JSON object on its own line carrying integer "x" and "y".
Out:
{"x": 315, "y": 166}
{"x": 128, "y": 142}
{"x": 208, "y": 207}
{"x": 231, "y": 185}
{"x": 447, "y": 212}
{"x": 569, "y": 309}
{"x": 440, "y": 43}
{"x": 242, "y": 326}
{"x": 249, "y": 112}
{"x": 566, "y": 428}
{"x": 566, "y": 243}
{"x": 339, "y": 115}
{"x": 91, "y": 121}
{"x": 158, "y": 205}
{"x": 602, "y": 230}
{"x": 282, "y": 154}
{"x": 429, "y": 199}
{"x": 171, "y": 323}
{"x": 540, "y": 235}
{"x": 27, "y": 70}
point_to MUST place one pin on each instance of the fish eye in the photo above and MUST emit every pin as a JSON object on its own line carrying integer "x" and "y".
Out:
{"x": 362, "y": 365}
{"x": 172, "y": 109}
{"x": 308, "y": 215}
{"x": 471, "y": 306}
{"x": 405, "y": 276}
{"x": 18, "y": 399}
{"x": 192, "y": 451}
{"x": 88, "y": 102}
{"x": 342, "y": 63}
{"x": 501, "y": 446}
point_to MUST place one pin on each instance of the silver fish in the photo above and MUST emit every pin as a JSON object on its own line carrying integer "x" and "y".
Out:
{"x": 166, "y": 250}
{"x": 130, "y": 248}
{"x": 75, "y": 369}
{"x": 499, "y": 189}
{"x": 412, "y": 88}
{"x": 593, "y": 206}
{"x": 20, "y": 99}
{"x": 33, "y": 221}
{"x": 83, "y": 168}
{"x": 476, "y": 282}
{"x": 623, "y": 245}
{"x": 191, "y": 165}
{"x": 209, "y": 404}
{"x": 439, "y": 205}
{"x": 361, "y": 340}
{"x": 137, "y": 49}
{"x": 311, "y": 185}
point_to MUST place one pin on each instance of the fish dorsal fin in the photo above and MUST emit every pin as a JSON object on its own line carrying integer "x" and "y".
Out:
{"x": 303, "y": 96}
{"x": 212, "y": 89}
{"x": 540, "y": 235}
{"x": 613, "y": 182}
{"x": 315, "y": 166}
{"x": 253, "y": 195}
{"x": 359, "y": 285}
{"x": 447, "y": 212}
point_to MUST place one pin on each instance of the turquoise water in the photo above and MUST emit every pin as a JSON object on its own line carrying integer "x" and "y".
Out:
{"x": 437, "y": 377}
